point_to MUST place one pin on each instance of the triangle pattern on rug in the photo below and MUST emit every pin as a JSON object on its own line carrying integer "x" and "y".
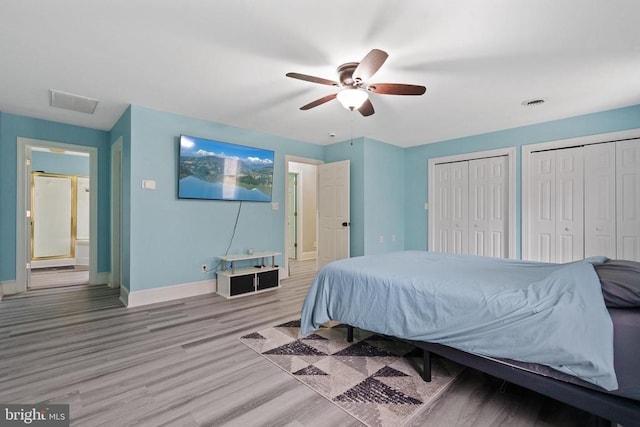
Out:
{"x": 376, "y": 379}
{"x": 310, "y": 370}
{"x": 389, "y": 372}
{"x": 295, "y": 348}
{"x": 314, "y": 337}
{"x": 364, "y": 349}
{"x": 291, "y": 324}
{"x": 374, "y": 391}
{"x": 253, "y": 336}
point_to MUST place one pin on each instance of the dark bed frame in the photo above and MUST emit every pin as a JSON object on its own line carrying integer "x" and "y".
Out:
{"x": 608, "y": 409}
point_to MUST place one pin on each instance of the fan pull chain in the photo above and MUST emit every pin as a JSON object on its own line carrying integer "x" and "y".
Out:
{"x": 351, "y": 143}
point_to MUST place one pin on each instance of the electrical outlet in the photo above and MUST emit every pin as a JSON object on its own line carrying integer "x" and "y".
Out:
{"x": 204, "y": 268}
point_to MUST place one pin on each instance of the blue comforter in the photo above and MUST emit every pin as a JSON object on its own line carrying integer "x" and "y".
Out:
{"x": 551, "y": 314}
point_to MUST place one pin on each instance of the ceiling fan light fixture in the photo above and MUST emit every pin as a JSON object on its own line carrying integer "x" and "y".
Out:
{"x": 352, "y": 99}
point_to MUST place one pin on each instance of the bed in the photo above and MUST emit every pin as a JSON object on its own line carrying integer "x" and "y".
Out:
{"x": 569, "y": 331}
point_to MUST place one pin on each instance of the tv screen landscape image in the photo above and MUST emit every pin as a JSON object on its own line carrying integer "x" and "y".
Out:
{"x": 215, "y": 170}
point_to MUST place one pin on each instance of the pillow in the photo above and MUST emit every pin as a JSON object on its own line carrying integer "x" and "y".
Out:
{"x": 620, "y": 280}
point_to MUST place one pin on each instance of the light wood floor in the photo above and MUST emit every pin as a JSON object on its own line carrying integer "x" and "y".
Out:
{"x": 180, "y": 364}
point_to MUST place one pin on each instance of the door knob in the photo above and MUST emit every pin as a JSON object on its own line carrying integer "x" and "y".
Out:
{"x": 566, "y": 229}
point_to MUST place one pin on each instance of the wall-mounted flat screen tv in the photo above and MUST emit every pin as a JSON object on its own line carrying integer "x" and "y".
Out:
{"x": 215, "y": 170}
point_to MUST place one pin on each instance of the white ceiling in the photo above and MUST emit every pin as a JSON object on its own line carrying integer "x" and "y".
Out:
{"x": 225, "y": 61}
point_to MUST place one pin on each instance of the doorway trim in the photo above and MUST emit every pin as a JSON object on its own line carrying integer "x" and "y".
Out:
{"x": 287, "y": 160}
{"x": 296, "y": 216}
{"x": 22, "y": 191}
{"x": 115, "y": 277}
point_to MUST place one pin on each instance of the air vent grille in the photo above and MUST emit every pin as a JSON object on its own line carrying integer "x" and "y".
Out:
{"x": 69, "y": 101}
{"x": 533, "y": 102}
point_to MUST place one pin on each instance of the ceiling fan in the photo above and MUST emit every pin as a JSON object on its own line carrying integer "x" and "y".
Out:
{"x": 353, "y": 77}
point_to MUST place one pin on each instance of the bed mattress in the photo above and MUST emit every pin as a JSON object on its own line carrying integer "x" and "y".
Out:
{"x": 626, "y": 345}
{"x": 546, "y": 314}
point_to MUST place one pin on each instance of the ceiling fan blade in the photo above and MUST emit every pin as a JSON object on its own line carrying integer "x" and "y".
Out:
{"x": 396, "y": 89}
{"x": 366, "y": 109}
{"x": 319, "y": 101}
{"x": 369, "y": 65}
{"x": 312, "y": 79}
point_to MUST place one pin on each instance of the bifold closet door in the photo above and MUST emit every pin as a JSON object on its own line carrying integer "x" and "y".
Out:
{"x": 569, "y": 205}
{"x": 600, "y": 200}
{"x": 442, "y": 208}
{"x": 451, "y": 223}
{"x": 488, "y": 206}
{"x": 628, "y": 199}
{"x": 542, "y": 207}
{"x": 556, "y": 195}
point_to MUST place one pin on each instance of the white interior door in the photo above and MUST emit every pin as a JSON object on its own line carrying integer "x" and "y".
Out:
{"x": 600, "y": 200}
{"x": 628, "y": 203}
{"x": 333, "y": 212}
{"x": 52, "y": 217}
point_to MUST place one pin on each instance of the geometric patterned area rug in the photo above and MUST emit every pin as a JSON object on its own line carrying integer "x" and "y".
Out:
{"x": 375, "y": 379}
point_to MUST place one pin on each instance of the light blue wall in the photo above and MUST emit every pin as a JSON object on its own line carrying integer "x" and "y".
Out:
{"x": 416, "y": 158}
{"x": 171, "y": 238}
{"x": 377, "y": 196}
{"x": 122, "y": 129}
{"x": 166, "y": 239}
{"x": 66, "y": 164}
{"x": 354, "y": 152}
{"x": 11, "y": 127}
{"x": 383, "y": 197}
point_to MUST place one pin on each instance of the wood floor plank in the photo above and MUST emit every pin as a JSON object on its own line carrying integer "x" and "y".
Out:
{"x": 180, "y": 363}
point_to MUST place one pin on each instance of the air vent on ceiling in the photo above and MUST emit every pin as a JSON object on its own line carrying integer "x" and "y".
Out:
{"x": 73, "y": 102}
{"x": 533, "y": 102}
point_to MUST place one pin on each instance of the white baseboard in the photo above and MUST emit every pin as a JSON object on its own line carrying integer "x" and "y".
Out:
{"x": 166, "y": 293}
{"x": 9, "y": 287}
{"x": 305, "y": 256}
{"x": 124, "y": 296}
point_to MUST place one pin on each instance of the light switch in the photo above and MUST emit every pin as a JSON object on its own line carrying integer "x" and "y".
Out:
{"x": 275, "y": 206}
{"x": 148, "y": 184}
{"x": 426, "y": 206}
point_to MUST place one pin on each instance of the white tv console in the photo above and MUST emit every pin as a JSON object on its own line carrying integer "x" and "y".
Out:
{"x": 249, "y": 278}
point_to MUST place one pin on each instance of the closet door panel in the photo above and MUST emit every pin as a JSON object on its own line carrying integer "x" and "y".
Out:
{"x": 442, "y": 208}
{"x": 542, "y": 202}
{"x": 628, "y": 199}
{"x": 488, "y": 206}
{"x": 600, "y": 200}
{"x": 478, "y": 198}
{"x": 459, "y": 208}
{"x": 569, "y": 205}
{"x": 497, "y": 223}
